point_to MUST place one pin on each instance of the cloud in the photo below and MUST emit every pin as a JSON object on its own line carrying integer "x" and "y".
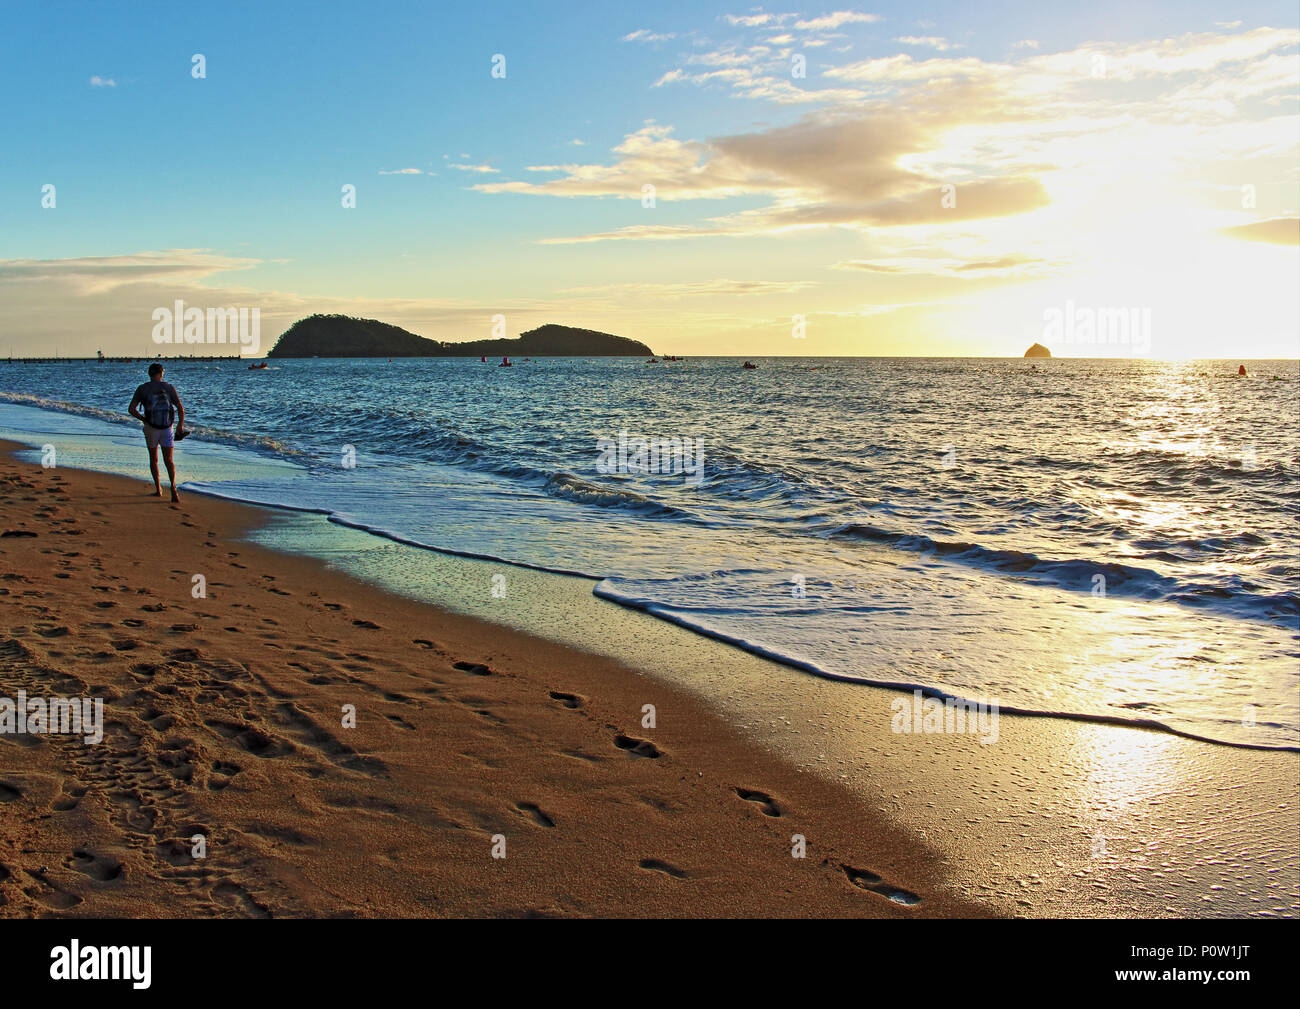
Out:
{"x": 1170, "y": 57}
{"x": 1025, "y": 44}
{"x": 401, "y": 171}
{"x": 102, "y": 82}
{"x": 902, "y": 69}
{"x": 829, "y": 22}
{"x": 756, "y": 72}
{"x": 756, "y": 20}
{"x": 822, "y": 171}
{"x": 929, "y": 41}
{"x": 481, "y": 169}
{"x": 96, "y": 274}
{"x": 878, "y": 154}
{"x": 646, "y": 35}
{"x": 1276, "y": 231}
{"x": 696, "y": 288}
{"x": 1011, "y": 265}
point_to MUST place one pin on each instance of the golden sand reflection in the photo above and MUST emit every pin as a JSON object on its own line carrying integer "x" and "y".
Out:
{"x": 1124, "y": 770}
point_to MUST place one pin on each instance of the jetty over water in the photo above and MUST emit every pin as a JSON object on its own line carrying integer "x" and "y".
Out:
{"x": 147, "y": 359}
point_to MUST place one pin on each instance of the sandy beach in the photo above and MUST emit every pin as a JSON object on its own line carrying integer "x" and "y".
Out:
{"x": 223, "y": 718}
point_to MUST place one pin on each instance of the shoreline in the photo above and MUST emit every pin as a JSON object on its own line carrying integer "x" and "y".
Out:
{"x": 1037, "y": 825}
{"x": 222, "y": 714}
{"x": 111, "y": 450}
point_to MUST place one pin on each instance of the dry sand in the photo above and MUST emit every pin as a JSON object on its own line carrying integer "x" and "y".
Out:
{"x": 223, "y": 718}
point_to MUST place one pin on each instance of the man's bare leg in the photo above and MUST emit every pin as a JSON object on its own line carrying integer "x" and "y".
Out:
{"x": 171, "y": 473}
{"x": 153, "y": 468}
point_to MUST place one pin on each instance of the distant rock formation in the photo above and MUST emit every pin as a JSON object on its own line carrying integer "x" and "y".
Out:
{"x": 344, "y": 336}
{"x": 1038, "y": 350}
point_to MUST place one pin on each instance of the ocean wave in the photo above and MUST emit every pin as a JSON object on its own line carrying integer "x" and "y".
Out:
{"x": 572, "y": 488}
{"x": 683, "y": 617}
{"x": 1236, "y": 595}
{"x": 1202, "y": 470}
{"x": 263, "y": 444}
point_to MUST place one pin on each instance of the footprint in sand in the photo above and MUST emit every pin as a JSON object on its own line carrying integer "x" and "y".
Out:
{"x": 865, "y": 879}
{"x": 9, "y": 792}
{"x": 240, "y": 899}
{"x": 98, "y": 867}
{"x": 47, "y": 893}
{"x": 473, "y": 668}
{"x": 69, "y": 799}
{"x": 637, "y": 747}
{"x": 144, "y": 671}
{"x": 175, "y": 852}
{"x": 568, "y": 700}
{"x": 659, "y": 865}
{"x": 369, "y": 625}
{"x": 535, "y": 811}
{"x": 252, "y": 740}
{"x": 138, "y": 815}
{"x": 223, "y": 772}
{"x": 770, "y": 808}
{"x": 590, "y": 758}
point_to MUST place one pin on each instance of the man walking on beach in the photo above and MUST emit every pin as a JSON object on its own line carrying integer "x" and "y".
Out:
{"x": 156, "y": 405}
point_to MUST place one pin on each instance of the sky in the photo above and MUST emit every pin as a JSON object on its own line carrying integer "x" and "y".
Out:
{"x": 900, "y": 179}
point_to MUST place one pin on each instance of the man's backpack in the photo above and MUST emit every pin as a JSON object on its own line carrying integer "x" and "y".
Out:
{"x": 158, "y": 410}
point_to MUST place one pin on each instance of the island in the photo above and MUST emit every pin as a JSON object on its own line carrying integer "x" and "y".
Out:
{"x": 1038, "y": 350}
{"x": 345, "y": 336}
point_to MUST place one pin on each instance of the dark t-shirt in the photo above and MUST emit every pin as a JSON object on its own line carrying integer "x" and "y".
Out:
{"x": 144, "y": 392}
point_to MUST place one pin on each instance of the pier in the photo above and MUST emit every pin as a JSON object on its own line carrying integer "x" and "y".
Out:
{"x": 121, "y": 360}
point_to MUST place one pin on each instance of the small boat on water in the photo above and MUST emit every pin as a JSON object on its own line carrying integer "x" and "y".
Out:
{"x": 505, "y": 363}
{"x": 258, "y": 367}
{"x": 748, "y": 366}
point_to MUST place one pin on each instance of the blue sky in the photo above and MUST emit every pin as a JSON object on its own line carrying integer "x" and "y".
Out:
{"x": 228, "y": 187}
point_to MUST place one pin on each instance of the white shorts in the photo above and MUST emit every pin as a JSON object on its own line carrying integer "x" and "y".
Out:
{"x": 155, "y": 436}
